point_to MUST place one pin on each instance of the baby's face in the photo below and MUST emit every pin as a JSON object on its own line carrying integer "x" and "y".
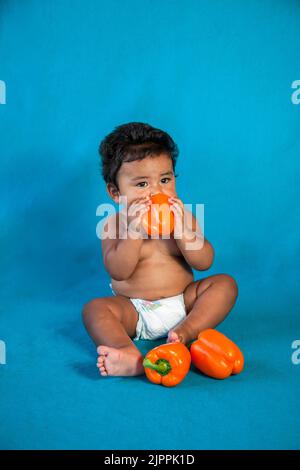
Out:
{"x": 146, "y": 177}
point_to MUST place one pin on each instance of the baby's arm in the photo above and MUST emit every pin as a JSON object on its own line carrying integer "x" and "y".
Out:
{"x": 197, "y": 250}
{"x": 120, "y": 256}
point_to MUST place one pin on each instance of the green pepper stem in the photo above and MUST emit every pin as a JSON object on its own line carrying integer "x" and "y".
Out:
{"x": 162, "y": 366}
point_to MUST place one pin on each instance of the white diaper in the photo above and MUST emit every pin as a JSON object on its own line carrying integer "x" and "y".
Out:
{"x": 157, "y": 317}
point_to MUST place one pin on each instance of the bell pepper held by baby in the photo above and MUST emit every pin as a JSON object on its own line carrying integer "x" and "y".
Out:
{"x": 167, "y": 364}
{"x": 216, "y": 355}
{"x": 159, "y": 220}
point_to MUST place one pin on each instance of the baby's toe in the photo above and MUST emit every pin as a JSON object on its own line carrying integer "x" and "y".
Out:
{"x": 102, "y": 350}
{"x": 173, "y": 337}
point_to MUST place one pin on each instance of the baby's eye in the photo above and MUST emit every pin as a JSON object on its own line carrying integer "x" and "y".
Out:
{"x": 169, "y": 179}
{"x": 142, "y": 182}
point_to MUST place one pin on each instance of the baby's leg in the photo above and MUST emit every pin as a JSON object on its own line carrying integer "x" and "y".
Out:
{"x": 207, "y": 302}
{"x": 111, "y": 321}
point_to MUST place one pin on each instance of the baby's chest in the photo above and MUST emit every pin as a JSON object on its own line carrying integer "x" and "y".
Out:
{"x": 155, "y": 248}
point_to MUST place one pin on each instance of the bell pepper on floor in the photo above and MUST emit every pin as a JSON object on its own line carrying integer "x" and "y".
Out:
{"x": 216, "y": 355}
{"x": 167, "y": 364}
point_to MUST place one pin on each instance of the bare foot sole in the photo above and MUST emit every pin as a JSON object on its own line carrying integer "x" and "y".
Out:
{"x": 119, "y": 362}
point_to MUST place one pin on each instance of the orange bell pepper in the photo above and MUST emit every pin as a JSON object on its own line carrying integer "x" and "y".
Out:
{"x": 216, "y": 355}
{"x": 167, "y": 364}
{"x": 159, "y": 220}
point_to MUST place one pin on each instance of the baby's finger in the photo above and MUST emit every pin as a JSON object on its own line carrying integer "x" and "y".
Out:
{"x": 176, "y": 207}
{"x": 141, "y": 215}
{"x": 177, "y": 212}
{"x": 140, "y": 199}
{"x": 138, "y": 207}
{"x": 142, "y": 212}
{"x": 176, "y": 200}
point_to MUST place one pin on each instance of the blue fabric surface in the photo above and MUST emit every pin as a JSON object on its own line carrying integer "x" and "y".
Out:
{"x": 217, "y": 76}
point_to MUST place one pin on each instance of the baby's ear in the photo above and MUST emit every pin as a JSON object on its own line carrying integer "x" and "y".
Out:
{"x": 113, "y": 192}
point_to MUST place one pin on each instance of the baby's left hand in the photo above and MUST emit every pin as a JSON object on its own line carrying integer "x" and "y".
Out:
{"x": 177, "y": 207}
{"x": 185, "y": 225}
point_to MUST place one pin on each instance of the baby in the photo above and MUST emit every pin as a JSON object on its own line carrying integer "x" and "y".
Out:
{"x": 154, "y": 291}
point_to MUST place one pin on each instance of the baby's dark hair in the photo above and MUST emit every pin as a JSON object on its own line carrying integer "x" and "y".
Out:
{"x": 130, "y": 142}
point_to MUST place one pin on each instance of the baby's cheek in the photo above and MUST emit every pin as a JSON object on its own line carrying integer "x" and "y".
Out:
{"x": 174, "y": 192}
{"x": 134, "y": 195}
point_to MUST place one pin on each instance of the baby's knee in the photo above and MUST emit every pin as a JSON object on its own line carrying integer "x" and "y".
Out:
{"x": 229, "y": 284}
{"x": 100, "y": 309}
{"x": 92, "y": 308}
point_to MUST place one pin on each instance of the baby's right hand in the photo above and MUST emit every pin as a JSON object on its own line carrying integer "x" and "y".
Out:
{"x": 135, "y": 212}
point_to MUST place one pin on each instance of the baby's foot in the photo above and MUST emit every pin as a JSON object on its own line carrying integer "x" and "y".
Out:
{"x": 178, "y": 335}
{"x": 173, "y": 337}
{"x": 119, "y": 362}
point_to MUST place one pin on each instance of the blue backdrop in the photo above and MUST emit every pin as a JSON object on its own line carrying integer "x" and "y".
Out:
{"x": 218, "y": 77}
